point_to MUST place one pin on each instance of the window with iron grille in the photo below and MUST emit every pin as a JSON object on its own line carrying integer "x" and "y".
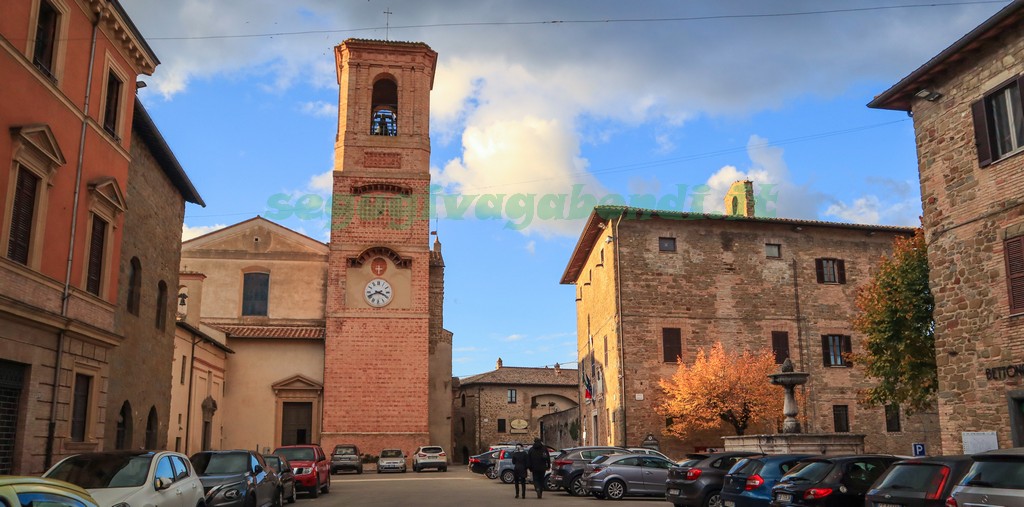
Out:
{"x": 841, "y": 418}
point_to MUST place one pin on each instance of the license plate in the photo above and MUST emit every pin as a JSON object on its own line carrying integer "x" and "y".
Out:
{"x": 673, "y": 491}
{"x": 888, "y": 505}
{"x": 729, "y": 503}
{"x": 783, "y": 497}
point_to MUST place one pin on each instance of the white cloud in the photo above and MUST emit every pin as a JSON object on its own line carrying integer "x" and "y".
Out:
{"x": 513, "y": 337}
{"x": 323, "y": 182}
{"x": 188, "y": 233}
{"x": 531, "y": 247}
{"x": 319, "y": 108}
{"x": 872, "y": 209}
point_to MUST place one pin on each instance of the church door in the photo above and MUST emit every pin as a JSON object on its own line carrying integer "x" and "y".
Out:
{"x": 296, "y": 423}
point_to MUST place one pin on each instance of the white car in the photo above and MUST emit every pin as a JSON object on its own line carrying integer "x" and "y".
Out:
{"x": 133, "y": 478}
{"x": 430, "y": 456}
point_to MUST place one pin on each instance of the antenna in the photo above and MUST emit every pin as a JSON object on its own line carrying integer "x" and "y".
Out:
{"x": 387, "y": 23}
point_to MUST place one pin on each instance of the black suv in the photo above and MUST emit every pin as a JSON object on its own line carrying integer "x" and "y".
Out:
{"x": 346, "y": 457}
{"x": 237, "y": 478}
{"x": 919, "y": 482}
{"x": 567, "y": 467}
{"x": 830, "y": 481}
{"x": 699, "y": 484}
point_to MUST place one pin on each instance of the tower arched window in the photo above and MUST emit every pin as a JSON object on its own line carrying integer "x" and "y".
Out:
{"x": 123, "y": 438}
{"x": 161, "y": 305}
{"x": 134, "y": 285}
{"x": 384, "y": 108}
{"x": 152, "y": 425}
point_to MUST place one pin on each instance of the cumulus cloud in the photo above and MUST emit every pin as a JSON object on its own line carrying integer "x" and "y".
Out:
{"x": 513, "y": 337}
{"x": 531, "y": 247}
{"x": 323, "y": 182}
{"x": 319, "y": 108}
{"x": 188, "y": 232}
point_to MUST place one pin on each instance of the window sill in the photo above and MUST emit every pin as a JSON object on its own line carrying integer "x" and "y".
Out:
{"x": 1009, "y": 154}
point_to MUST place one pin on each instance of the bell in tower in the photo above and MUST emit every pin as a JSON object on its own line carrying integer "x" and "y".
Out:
{"x": 385, "y": 108}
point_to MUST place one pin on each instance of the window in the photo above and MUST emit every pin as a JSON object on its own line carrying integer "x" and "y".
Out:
{"x": 773, "y": 250}
{"x": 97, "y": 244}
{"x": 1013, "y": 251}
{"x": 501, "y": 426}
{"x": 841, "y": 418}
{"x": 80, "y": 407}
{"x": 780, "y": 345}
{"x": 123, "y": 436}
{"x": 254, "y": 293}
{"x": 385, "y": 108}
{"x": 833, "y": 349}
{"x": 511, "y": 395}
{"x": 21, "y": 216}
{"x": 134, "y": 286}
{"x": 184, "y": 364}
{"x": 112, "y": 105}
{"x": 999, "y": 122}
{"x": 46, "y": 38}
{"x": 892, "y": 418}
{"x": 463, "y": 421}
{"x": 667, "y": 244}
{"x": 152, "y": 425}
{"x": 671, "y": 344}
{"x": 830, "y": 270}
{"x": 161, "y": 305}
{"x": 463, "y": 399}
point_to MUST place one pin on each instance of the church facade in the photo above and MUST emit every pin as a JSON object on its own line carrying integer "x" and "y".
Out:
{"x": 329, "y": 339}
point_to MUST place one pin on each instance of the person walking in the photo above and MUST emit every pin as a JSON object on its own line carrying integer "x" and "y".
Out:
{"x": 540, "y": 462}
{"x": 520, "y": 464}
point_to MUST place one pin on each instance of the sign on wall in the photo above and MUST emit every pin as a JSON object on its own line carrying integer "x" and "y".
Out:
{"x": 979, "y": 441}
{"x": 519, "y": 426}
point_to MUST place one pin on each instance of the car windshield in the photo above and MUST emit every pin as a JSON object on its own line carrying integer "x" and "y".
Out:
{"x": 809, "y": 471}
{"x": 391, "y": 453}
{"x": 996, "y": 474}
{"x": 296, "y": 453}
{"x": 688, "y": 462}
{"x": 345, "y": 449}
{"x": 104, "y": 470}
{"x": 210, "y": 463}
{"x": 431, "y": 450}
{"x": 273, "y": 462}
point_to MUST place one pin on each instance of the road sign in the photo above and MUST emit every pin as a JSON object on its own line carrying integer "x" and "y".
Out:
{"x": 919, "y": 450}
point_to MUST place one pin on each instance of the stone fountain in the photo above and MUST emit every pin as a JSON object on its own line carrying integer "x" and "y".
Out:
{"x": 789, "y": 379}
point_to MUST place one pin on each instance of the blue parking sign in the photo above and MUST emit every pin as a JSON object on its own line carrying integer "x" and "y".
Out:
{"x": 919, "y": 450}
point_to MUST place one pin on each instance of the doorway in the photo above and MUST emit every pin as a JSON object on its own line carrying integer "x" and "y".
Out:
{"x": 296, "y": 423}
{"x": 12, "y": 381}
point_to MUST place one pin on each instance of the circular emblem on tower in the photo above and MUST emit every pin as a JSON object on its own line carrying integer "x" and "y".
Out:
{"x": 378, "y": 266}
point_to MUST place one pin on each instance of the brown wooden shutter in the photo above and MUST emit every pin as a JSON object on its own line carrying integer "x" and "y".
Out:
{"x": 819, "y": 270}
{"x": 840, "y": 271}
{"x": 671, "y": 344}
{"x": 981, "y": 139}
{"x": 847, "y": 350}
{"x": 21, "y": 216}
{"x": 96, "y": 242}
{"x": 780, "y": 345}
{"x": 826, "y": 357}
{"x": 1014, "y": 254}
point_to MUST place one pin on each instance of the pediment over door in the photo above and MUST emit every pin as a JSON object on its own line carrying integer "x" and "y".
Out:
{"x": 297, "y": 385}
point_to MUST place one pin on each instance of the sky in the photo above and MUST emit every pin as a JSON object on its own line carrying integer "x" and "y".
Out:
{"x": 607, "y": 99}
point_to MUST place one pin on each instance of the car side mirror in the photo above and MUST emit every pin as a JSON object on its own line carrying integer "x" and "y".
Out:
{"x": 257, "y": 469}
{"x": 162, "y": 483}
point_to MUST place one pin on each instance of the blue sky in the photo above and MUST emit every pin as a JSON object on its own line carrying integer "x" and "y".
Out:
{"x": 246, "y": 97}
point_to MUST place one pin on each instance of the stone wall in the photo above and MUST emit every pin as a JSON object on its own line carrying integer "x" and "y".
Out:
{"x": 557, "y": 429}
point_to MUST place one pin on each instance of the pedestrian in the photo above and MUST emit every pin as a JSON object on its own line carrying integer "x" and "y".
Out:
{"x": 540, "y": 462}
{"x": 520, "y": 464}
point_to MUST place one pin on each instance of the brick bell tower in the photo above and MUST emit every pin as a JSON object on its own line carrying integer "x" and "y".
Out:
{"x": 378, "y": 374}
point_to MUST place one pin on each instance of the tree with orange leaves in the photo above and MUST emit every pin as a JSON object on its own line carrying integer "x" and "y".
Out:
{"x": 720, "y": 388}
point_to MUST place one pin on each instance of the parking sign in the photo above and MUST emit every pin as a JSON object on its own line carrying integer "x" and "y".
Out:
{"x": 919, "y": 450}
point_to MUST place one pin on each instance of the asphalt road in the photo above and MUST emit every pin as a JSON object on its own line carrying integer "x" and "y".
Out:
{"x": 456, "y": 487}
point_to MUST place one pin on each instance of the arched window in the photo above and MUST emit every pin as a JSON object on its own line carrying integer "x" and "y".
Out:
{"x": 152, "y": 425}
{"x": 735, "y": 205}
{"x": 463, "y": 399}
{"x": 123, "y": 439}
{"x": 161, "y": 305}
{"x": 384, "y": 108}
{"x": 134, "y": 285}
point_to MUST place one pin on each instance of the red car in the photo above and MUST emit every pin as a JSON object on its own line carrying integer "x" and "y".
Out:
{"x": 311, "y": 467}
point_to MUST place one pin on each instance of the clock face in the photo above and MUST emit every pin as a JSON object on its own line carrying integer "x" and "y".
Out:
{"x": 378, "y": 292}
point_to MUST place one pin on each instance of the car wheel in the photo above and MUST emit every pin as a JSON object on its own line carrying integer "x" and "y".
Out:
{"x": 508, "y": 476}
{"x": 444, "y": 469}
{"x": 315, "y": 493}
{"x": 491, "y": 473}
{"x": 327, "y": 487}
{"x": 359, "y": 470}
{"x": 714, "y": 499}
{"x": 615, "y": 489}
{"x": 576, "y": 486}
{"x": 279, "y": 498}
{"x": 291, "y": 499}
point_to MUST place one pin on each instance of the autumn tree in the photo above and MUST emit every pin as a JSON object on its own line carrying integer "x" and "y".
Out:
{"x": 722, "y": 388}
{"x": 895, "y": 315}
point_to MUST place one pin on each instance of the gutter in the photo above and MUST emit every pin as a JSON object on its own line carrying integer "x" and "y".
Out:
{"x": 618, "y": 324}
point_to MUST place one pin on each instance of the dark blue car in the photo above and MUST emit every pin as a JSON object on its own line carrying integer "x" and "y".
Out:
{"x": 749, "y": 483}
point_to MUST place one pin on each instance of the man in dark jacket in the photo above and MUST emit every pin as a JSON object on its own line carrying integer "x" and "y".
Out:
{"x": 540, "y": 462}
{"x": 520, "y": 464}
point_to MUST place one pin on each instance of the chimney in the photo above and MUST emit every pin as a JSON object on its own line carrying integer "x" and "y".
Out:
{"x": 558, "y": 369}
{"x": 739, "y": 200}
{"x": 499, "y": 364}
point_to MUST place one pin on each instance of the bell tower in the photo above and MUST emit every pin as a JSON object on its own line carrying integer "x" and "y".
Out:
{"x": 378, "y": 369}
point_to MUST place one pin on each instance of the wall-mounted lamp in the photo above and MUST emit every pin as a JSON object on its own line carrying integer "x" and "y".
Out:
{"x": 140, "y": 84}
{"x": 609, "y": 239}
{"x": 929, "y": 95}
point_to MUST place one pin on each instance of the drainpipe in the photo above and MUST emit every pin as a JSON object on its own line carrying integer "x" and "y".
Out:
{"x": 51, "y": 429}
{"x": 622, "y": 351}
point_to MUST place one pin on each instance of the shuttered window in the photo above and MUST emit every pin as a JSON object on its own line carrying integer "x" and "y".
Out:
{"x": 97, "y": 241}
{"x": 22, "y": 215}
{"x": 46, "y": 38}
{"x": 255, "y": 289}
{"x": 830, "y": 270}
{"x": 1014, "y": 252}
{"x": 999, "y": 122}
{"x": 834, "y": 348}
{"x": 113, "y": 104}
{"x": 671, "y": 344}
{"x": 780, "y": 345}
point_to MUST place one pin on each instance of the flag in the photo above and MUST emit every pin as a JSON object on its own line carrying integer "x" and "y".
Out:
{"x": 587, "y": 393}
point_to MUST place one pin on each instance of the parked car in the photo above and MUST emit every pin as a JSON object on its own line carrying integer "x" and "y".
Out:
{"x": 430, "y": 456}
{"x": 919, "y": 482}
{"x": 285, "y": 476}
{"x": 346, "y": 457}
{"x": 644, "y": 450}
{"x": 391, "y": 460}
{"x": 995, "y": 479}
{"x": 699, "y": 484}
{"x": 310, "y": 466}
{"x": 483, "y": 463}
{"x": 830, "y": 481}
{"x": 132, "y": 477}
{"x": 31, "y": 491}
{"x": 618, "y": 475}
{"x": 567, "y": 466}
{"x": 749, "y": 482}
{"x": 236, "y": 478}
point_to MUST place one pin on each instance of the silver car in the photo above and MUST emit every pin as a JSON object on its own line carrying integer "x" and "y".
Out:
{"x": 391, "y": 460}
{"x": 617, "y": 475}
{"x": 996, "y": 479}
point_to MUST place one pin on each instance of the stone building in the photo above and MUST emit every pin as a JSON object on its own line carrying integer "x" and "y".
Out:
{"x": 150, "y": 249}
{"x": 966, "y": 105}
{"x": 197, "y": 388}
{"x": 329, "y": 338}
{"x": 654, "y": 286}
{"x": 506, "y": 404}
{"x": 67, "y": 144}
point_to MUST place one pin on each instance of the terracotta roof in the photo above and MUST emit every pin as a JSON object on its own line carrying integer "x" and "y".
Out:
{"x": 520, "y": 376}
{"x": 258, "y": 331}
{"x": 205, "y": 337}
